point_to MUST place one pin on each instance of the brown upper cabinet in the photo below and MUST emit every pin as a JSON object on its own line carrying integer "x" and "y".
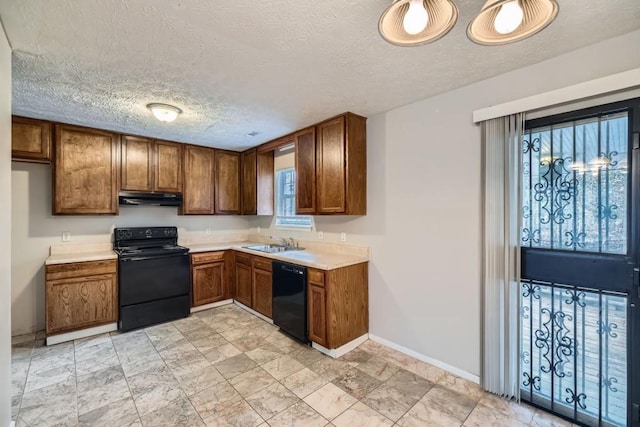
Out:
{"x": 341, "y": 166}
{"x": 137, "y": 163}
{"x": 305, "y": 155}
{"x": 30, "y": 140}
{"x": 336, "y": 172}
{"x": 257, "y": 182}
{"x": 227, "y": 182}
{"x": 152, "y": 166}
{"x": 168, "y": 167}
{"x": 197, "y": 189}
{"x": 85, "y": 171}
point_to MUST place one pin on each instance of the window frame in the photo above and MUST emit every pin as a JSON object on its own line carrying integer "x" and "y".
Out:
{"x": 281, "y": 220}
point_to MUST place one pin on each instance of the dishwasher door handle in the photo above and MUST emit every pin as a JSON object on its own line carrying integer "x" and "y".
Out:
{"x": 291, "y": 270}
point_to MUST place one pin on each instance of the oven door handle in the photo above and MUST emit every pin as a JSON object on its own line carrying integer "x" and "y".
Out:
{"x": 144, "y": 258}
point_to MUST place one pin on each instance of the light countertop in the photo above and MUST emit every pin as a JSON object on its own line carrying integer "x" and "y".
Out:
{"x": 65, "y": 258}
{"x": 309, "y": 257}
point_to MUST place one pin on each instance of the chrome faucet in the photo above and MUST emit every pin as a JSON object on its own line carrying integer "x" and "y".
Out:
{"x": 282, "y": 240}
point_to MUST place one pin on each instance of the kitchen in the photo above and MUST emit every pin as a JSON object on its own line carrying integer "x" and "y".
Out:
{"x": 419, "y": 296}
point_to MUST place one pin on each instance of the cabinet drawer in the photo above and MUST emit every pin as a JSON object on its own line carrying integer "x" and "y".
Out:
{"x": 243, "y": 259}
{"x": 207, "y": 257}
{"x": 80, "y": 269}
{"x": 262, "y": 263}
{"x": 315, "y": 277}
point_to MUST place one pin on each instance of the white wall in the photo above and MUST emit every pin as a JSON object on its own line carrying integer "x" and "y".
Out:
{"x": 5, "y": 227}
{"x": 424, "y": 205}
{"x": 34, "y": 230}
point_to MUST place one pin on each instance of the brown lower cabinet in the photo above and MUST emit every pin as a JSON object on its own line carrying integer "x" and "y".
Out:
{"x": 253, "y": 282}
{"x": 208, "y": 278}
{"x": 262, "y": 289}
{"x": 81, "y": 295}
{"x": 243, "y": 293}
{"x": 337, "y": 304}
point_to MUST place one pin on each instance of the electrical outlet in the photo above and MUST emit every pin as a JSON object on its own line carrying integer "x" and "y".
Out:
{"x": 208, "y": 230}
{"x": 343, "y": 237}
{"x": 66, "y": 236}
{"x": 320, "y": 235}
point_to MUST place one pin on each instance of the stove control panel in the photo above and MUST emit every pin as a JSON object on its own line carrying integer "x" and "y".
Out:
{"x": 142, "y": 233}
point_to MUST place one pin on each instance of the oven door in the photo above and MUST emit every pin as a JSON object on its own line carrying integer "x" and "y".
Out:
{"x": 149, "y": 278}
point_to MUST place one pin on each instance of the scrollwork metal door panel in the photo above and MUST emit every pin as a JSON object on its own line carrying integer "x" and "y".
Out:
{"x": 579, "y": 264}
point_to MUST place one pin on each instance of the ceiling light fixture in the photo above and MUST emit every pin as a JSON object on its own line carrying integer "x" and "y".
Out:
{"x": 417, "y": 22}
{"x": 507, "y": 21}
{"x": 164, "y": 112}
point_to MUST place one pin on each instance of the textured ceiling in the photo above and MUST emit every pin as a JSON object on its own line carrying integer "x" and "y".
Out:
{"x": 238, "y": 66}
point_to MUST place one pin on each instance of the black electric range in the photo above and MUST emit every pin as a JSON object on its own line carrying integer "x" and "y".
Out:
{"x": 153, "y": 276}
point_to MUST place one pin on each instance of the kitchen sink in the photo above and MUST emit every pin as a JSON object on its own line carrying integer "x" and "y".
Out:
{"x": 272, "y": 248}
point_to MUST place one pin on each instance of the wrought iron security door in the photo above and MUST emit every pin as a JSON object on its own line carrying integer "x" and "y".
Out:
{"x": 580, "y": 252}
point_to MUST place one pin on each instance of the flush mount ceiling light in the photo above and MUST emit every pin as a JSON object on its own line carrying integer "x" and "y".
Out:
{"x": 164, "y": 112}
{"x": 417, "y": 22}
{"x": 507, "y": 21}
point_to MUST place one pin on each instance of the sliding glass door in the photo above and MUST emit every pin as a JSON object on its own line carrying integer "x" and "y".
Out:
{"x": 580, "y": 242}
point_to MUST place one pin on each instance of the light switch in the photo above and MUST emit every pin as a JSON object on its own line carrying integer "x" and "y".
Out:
{"x": 66, "y": 236}
{"x": 320, "y": 235}
{"x": 343, "y": 237}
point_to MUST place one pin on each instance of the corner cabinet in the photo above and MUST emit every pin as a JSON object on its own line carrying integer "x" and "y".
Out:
{"x": 198, "y": 179}
{"x": 30, "y": 140}
{"x": 337, "y": 304}
{"x": 208, "y": 278}
{"x": 80, "y": 295}
{"x": 227, "y": 182}
{"x": 257, "y": 182}
{"x": 331, "y": 167}
{"x": 85, "y": 171}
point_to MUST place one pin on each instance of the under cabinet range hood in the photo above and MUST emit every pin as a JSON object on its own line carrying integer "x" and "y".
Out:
{"x": 149, "y": 199}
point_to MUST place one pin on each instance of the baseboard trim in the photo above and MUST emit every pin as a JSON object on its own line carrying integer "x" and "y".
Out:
{"x": 211, "y": 305}
{"x": 84, "y": 333}
{"x": 252, "y": 311}
{"x": 342, "y": 350}
{"x": 451, "y": 369}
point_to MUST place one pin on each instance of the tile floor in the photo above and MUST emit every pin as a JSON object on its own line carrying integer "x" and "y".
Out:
{"x": 226, "y": 367}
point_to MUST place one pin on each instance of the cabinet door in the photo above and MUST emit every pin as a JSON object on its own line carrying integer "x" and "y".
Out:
{"x": 208, "y": 283}
{"x": 81, "y": 302}
{"x": 198, "y": 181}
{"x": 330, "y": 167}
{"x": 262, "y": 292}
{"x": 30, "y": 140}
{"x": 137, "y": 164}
{"x": 227, "y": 182}
{"x": 317, "y": 317}
{"x": 168, "y": 167}
{"x": 249, "y": 181}
{"x": 85, "y": 171}
{"x": 264, "y": 184}
{"x": 306, "y": 171}
{"x": 243, "y": 284}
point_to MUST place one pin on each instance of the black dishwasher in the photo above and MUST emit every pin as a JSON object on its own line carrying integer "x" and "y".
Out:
{"x": 290, "y": 299}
